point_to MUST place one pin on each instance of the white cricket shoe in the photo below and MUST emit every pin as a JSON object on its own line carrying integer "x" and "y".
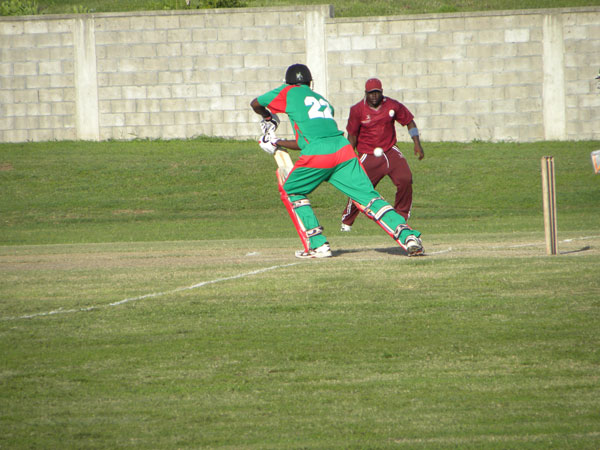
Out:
{"x": 324, "y": 251}
{"x": 346, "y": 228}
{"x": 414, "y": 246}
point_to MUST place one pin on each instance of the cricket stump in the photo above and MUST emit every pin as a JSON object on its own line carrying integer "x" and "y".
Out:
{"x": 549, "y": 197}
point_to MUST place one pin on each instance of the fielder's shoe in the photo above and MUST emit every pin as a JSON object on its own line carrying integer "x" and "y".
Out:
{"x": 324, "y": 251}
{"x": 414, "y": 246}
{"x": 345, "y": 227}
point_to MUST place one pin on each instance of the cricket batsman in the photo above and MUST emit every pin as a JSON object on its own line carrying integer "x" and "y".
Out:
{"x": 325, "y": 155}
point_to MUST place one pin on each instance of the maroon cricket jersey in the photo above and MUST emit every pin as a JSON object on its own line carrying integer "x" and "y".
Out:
{"x": 375, "y": 127}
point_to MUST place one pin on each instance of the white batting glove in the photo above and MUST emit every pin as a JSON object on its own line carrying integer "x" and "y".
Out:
{"x": 268, "y": 142}
{"x": 269, "y": 125}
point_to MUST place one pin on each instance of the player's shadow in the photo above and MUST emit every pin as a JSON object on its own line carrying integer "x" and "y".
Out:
{"x": 388, "y": 250}
{"x": 583, "y": 249}
{"x": 392, "y": 251}
{"x": 346, "y": 251}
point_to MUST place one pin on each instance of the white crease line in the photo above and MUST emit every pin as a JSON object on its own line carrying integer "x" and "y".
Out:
{"x": 154, "y": 294}
{"x": 254, "y": 272}
{"x": 448, "y": 250}
{"x": 580, "y": 239}
{"x": 542, "y": 243}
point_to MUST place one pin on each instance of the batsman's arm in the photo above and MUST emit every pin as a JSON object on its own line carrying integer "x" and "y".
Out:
{"x": 288, "y": 143}
{"x": 260, "y": 109}
{"x": 413, "y": 131}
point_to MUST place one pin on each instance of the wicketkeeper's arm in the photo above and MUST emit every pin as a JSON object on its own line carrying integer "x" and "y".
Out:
{"x": 353, "y": 140}
{"x": 413, "y": 131}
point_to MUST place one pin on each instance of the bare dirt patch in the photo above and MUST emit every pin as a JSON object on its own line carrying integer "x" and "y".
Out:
{"x": 203, "y": 254}
{"x": 133, "y": 212}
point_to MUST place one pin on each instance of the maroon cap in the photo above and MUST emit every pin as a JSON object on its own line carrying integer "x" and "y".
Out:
{"x": 373, "y": 84}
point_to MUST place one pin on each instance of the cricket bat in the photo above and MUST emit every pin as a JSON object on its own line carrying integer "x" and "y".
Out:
{"x": 284, "y": 164}
{"x": 284, "y": 167}
{"x": 596, "y": 159}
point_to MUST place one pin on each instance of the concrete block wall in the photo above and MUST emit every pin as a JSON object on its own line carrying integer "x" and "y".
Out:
{"x": 513, "y": 75}
{"x": 37, "y": 92}
{"x": 501, "y": 76}
{"x": 183, "y": 75}
{"x": 147, "y": 75}
{"x": 581, "y": 34}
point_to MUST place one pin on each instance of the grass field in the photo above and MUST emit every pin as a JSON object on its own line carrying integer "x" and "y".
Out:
{"x": 342, "y": 8}
{"x": 149, "y": 298}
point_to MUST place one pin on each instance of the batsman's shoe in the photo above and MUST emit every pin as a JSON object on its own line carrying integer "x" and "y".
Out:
{"x": 414, "y": 246}
{"x": 346, "y": 228}
{"x": 324, "y": 251}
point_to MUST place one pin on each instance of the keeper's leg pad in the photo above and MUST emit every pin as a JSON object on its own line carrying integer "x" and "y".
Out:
{"x": 314, "y": 233}
{"x": 382, "y": 213}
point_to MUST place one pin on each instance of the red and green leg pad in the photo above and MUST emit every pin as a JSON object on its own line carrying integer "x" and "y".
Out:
{"x": 382, "y": 213}
{"x": 303, "y": 217}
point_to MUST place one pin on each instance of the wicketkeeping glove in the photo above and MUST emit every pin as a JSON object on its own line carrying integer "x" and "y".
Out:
{"x": 269, "y": 125}
{"x": 268, "y": 142}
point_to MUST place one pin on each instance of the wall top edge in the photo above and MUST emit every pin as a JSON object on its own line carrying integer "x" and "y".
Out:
{"x": 458, "y": 15}
{"x": 327, "y": 10}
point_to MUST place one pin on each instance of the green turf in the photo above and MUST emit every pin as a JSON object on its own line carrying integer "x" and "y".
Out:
{"x": 342, "y": 8}
{"x": 149, "y": 298}
{"x": 74, "y": 192}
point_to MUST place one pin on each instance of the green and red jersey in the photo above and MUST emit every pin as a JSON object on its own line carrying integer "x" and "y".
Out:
{"x": 310, "y": 114}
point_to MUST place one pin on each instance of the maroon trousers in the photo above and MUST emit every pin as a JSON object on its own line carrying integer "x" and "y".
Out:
{"x": 393, "y": 164}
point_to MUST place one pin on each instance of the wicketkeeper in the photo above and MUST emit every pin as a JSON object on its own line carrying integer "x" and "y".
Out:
{"x": 372, "y": 125}
{"x": 325, "y": 155}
